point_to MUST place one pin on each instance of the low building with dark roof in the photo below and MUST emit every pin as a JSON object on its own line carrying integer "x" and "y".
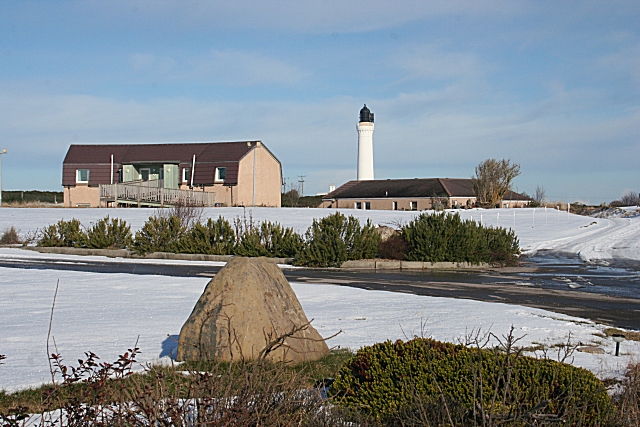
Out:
{"x": 209, "y": 174}
{"x": 411, "y": 194}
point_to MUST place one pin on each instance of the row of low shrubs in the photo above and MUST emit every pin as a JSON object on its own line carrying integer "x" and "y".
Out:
{"x": 329, "y": 242}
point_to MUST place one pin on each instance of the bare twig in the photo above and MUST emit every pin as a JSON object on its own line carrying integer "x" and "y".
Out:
{"x": 53, "y": 306}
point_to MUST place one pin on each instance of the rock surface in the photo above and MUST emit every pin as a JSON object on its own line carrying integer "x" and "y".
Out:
{"x": 241, "y": 314}
{"x": 386, "y": 232}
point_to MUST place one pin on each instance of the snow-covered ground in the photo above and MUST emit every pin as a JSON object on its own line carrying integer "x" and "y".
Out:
{"x": 108, "y": 313}
{"x": 592, "y": 239}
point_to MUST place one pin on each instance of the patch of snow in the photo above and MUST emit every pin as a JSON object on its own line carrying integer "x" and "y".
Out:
{"x": 108, "y": 313}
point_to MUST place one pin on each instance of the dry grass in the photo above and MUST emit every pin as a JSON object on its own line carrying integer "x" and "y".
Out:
{"x": 10, "y": 237}
{"x": 247, "y": 393}
{"x": 19, "y": 204}
{"x": 628, "y": 400}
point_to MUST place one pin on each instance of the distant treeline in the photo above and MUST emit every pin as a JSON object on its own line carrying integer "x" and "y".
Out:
{"x": 291, "y": 199}
{"x": 32, "y": 196}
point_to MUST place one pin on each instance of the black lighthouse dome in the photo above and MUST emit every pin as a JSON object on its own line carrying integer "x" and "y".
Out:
{"x": 366, "y": 115}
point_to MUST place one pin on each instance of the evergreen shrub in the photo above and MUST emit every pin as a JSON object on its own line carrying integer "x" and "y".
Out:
{"x": 159, "y": 234}
{"x": 109, "y": 233}
{"x": 269, "y": 239}
{"x": 63, "y": 234}
{"x": 334, "y": 239}
{"x": 485, "y": 386}
{"x": 447, "y": 238}
{"x": 213, "y": 238}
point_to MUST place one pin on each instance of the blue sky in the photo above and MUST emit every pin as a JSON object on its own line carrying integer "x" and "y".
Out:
{"x": 554, "y": 86}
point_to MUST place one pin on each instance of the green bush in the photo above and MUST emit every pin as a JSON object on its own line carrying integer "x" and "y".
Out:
{"x": 63, "y": 234}
{"x": 159, "y": 234}
{"x": 109, "y": 233}
{"x": 401, "y": 379}
{"x": 213, "y": 238}
{"x": 270, "y": 240}
{"x": 444, "y": 237}
{"x": 334, "y": 239}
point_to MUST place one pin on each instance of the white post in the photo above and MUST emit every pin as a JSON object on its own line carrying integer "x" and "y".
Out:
{"x": 545, "y": 215}
{"x": 480, "y": 219}
{"x": 193, "y": 169}
{"x": 533, "y": 217}
{"x": 112, "y": 169}
{"x": 498, "y": 220}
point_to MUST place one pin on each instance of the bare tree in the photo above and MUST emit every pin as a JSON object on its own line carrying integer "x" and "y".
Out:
{"x": 540, "y": 195}
{"x": 188, "y": 213}
{"x": 291, "y": 197}
{"x": 493, "y": 180}
{"x": 630, "y": 198}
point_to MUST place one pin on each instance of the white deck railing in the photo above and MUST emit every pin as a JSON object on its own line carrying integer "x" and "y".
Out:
{"x": 152, "y": 193}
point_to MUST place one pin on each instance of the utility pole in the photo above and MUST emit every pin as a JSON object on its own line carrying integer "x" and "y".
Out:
{"x": 3, "y": 151}
{"x": 301, "y": 181}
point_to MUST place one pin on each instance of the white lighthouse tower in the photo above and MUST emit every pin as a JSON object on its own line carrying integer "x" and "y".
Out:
{"x": 365, "y": 145}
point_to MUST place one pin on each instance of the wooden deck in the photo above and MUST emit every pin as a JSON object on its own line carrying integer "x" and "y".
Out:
{"x": 152, "y": 193}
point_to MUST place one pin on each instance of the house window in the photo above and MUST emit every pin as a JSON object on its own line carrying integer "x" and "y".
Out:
{"x": 394, "y": 206}
{"x": 367, "y": 205}
{"x": 358, "y": 205}
{"x": 414, "y": 206}
{"x": 186, "y": 175}
{"x": 221, "y": 174}
{"x": 82, "y": 176}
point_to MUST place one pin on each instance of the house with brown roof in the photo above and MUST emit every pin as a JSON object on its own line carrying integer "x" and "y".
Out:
{"x": 411, "y": 195}
{"x": 243, "y": 173}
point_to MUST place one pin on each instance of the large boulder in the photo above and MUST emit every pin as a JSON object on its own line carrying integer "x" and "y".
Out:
{"x": 248, "y": 310}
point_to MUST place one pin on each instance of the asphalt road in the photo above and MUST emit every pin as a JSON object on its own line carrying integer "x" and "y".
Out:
{"x": 609, "y": 296}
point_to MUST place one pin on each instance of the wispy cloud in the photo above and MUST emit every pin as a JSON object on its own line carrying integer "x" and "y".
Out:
{"x": 241, "y": 68}
{"x": 432, "y": 62}
{"x": 217, "y": 68}
{"x": 625, "y": 63}
{"x": 297, "y": 15}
